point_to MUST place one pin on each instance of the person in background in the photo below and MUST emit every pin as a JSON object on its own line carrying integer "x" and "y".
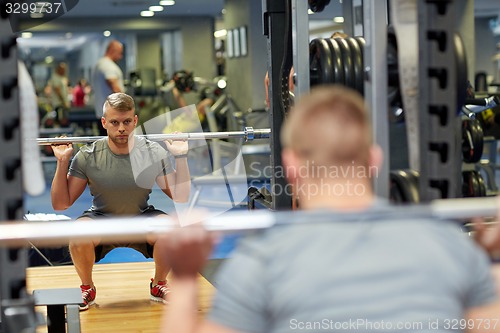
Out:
{"x": 79, "y": 93}
{"x": 60, "y": 96}
{"x": 107, "y": 77}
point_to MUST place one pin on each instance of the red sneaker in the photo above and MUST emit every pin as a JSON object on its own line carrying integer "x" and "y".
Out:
{"x": 88, "y": 296}
{"x": 159, "y": 291}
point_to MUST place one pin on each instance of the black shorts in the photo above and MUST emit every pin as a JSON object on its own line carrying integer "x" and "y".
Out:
{"x": 145, "y": 248}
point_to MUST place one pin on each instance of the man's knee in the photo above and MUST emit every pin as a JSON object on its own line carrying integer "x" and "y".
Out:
{"x": 82, "y": 246}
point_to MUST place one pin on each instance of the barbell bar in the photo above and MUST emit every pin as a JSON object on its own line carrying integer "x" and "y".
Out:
{"x": 19, "y": 234}
{"x": 249, "y": 134}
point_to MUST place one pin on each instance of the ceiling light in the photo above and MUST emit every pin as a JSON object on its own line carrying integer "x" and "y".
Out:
{"x": 220, "y": 33}
{"x": 26, "y": 35}
{"x": 107, "y": 33}
{"x": 338, "y": 19}
{"x": 147, "y": 13}
{"x": 167, "y": 2}
{"x": 156, "y": 8}
{"x": 68, "y": 35}
{"x": 49, "y": 59}
{"x": 223, "y": 11}
{"x": 310, "y": 12}
{"x": 36, "y": 15}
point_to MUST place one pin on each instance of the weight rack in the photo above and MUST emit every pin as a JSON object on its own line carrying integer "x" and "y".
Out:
{"x": 16, "y": 307}
{"x": 440, "y": 148}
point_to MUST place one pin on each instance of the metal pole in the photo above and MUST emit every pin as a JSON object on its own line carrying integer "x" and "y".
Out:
{"x": 17, "y": 310}
{"x": 274, "y": 14}
{"x": 248, "y": 134}
{"x": 375, "y": 22}
{"x": 300, "y": 46}
{"x": 15, "y": 234}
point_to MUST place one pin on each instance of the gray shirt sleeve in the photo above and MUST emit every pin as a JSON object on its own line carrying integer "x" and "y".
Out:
{"x": 482, "y": 286}
{"x": 240, "y": 301}
{"x": 77, "y": 166}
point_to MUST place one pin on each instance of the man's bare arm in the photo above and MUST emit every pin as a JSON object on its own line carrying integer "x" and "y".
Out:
{"x": 187, "y": 250}
{"x": 484, "y": 319}
{"x": 180, "y": 181}
{"x": 114, "y": 85}
{"x": 65, "y": 189}
{"x": 181, "y": 315}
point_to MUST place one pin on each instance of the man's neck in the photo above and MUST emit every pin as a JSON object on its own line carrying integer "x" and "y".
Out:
{"x": 339, "y": 194}
{"x": 121, "y": 149}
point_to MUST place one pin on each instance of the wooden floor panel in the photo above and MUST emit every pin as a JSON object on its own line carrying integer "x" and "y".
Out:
{"x": 122, "y": 296}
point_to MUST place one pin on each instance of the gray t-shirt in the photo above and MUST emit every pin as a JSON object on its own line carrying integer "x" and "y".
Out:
{"x": 105, "y": 69}
{"x": 121, "y": 184}
{"x": 384, "y": 272}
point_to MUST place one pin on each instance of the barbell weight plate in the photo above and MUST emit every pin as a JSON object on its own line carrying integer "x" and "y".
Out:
{"x": 405, "y": 183}
{"x": 478, "y": 137}
{"x": 357, "y": 62}
{"x": 361, "y": 44}
{"x": 347, "y": 60}
{"x": 337, "y": 63}
{"x": 472, "y": 141}
{"x": 414, "y": 176}
{"x": 481, "y": 184}
{"x": 336, "y": 57}
{"x": 395, "y": 193}
{"x": 470, "y": 185}
{"x": 320, "y": 63}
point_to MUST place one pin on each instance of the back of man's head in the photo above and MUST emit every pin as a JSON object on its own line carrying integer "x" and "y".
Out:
{"x": 114, "y": 50}
{"x": 329, "y": 126}
{"x": 119, "y": 102}
{"x": 61, "y": 68}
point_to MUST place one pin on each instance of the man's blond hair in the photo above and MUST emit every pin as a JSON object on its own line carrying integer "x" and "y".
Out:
{"x": 119, "y": 102}
{"x": 329, "y": 126}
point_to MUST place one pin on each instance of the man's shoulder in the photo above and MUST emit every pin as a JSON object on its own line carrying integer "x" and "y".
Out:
{"x": 104, "y": 62}
{"x": 94, "y": 147}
